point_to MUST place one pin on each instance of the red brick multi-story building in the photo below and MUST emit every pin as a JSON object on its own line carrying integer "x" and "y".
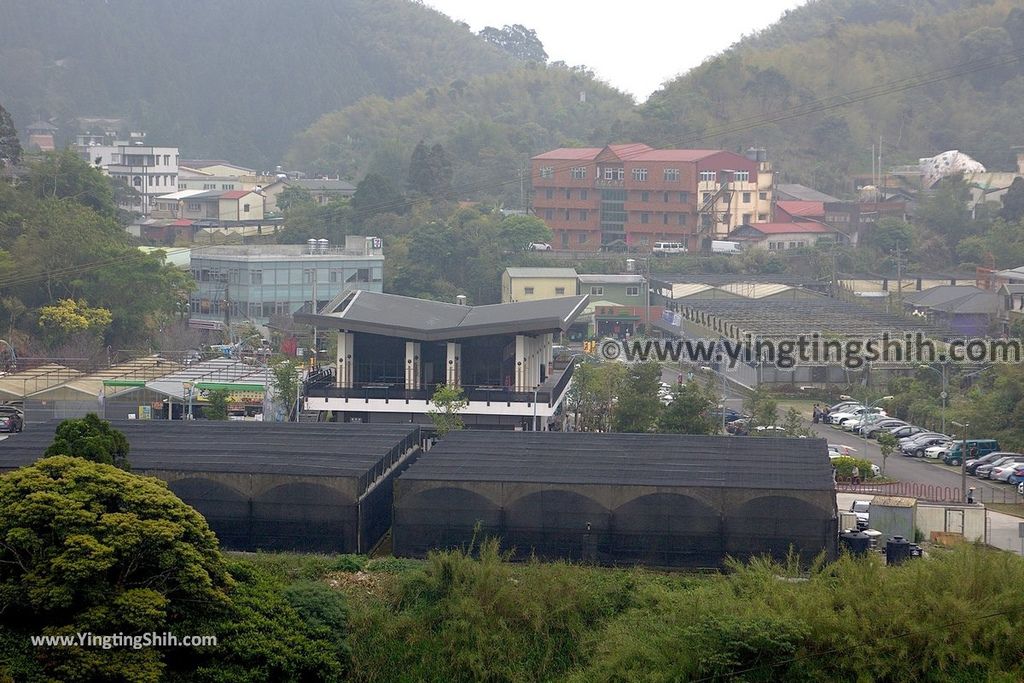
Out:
{"x": 635, "y": 195}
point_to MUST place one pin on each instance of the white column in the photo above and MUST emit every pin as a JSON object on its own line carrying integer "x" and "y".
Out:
{"x": 453, "y": 365}
{"x": 412, "y": 365}
{"x": 344, "y": 362}
{"x": 520, "y": 360}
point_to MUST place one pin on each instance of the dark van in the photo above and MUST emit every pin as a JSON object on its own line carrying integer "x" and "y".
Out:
{"x": 975, "y": 449}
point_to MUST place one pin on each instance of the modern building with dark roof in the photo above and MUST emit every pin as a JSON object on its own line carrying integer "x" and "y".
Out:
{"x": 265, "y": 486}
{"x": 657, "y": 499}
{"x": 394, "y": 351}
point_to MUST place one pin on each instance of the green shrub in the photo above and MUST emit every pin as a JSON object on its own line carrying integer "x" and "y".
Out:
{"x": 268, "y": 633}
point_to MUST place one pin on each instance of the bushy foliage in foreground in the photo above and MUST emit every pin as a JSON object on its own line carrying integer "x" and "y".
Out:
{"x": 954, "y": 616}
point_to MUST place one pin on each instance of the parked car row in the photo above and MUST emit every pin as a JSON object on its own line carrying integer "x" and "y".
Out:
{"x": 997, "y": 466}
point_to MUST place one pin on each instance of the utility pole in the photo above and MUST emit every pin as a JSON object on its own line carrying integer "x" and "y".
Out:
{"x": 963, "y": 459}
{"x": 899, "y": 279}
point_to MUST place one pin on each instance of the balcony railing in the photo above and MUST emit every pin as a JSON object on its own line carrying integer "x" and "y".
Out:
{"x": 321, "y": 384}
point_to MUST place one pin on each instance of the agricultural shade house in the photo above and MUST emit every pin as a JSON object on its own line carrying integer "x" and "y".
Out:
{"x": 266, "y": 486}
{"x": 657, "y": 499}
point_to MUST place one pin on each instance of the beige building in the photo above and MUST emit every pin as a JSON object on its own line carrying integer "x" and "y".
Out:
{"x": 216, "y": 205}
{"x": 530, "y": 284}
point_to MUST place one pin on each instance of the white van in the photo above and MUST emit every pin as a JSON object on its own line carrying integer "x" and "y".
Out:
{"x": 723, "y": 247}
{"x": 669, "y": 248}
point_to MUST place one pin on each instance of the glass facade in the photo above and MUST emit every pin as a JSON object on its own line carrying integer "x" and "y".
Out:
{"x": 233, "y": 289}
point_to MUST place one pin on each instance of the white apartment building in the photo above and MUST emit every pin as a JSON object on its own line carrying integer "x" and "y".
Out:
{"x": 150, "y": 170}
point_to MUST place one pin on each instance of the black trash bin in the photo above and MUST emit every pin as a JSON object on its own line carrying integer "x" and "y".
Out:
{"x": 897, "y": 550}
{"x": 855, "y": 542}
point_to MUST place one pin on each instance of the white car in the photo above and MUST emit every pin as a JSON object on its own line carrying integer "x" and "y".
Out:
{"x": 853, "y": 414}
{"x": 937, "y": 451}
{"x": 540, "y": 246}
{"x": 841, "y": 449}
{"x": 1003, "y": 472}
{"x": 861, "y": 508}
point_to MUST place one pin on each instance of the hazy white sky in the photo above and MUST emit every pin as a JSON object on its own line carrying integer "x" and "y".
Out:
{"x": 635, "y": 45}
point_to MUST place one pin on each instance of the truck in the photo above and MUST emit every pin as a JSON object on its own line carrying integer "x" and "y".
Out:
{"x": 725, "y": 247}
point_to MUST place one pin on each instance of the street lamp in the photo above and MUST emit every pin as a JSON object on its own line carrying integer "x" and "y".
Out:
{"x": 963, "y": 458}
{"x": 945, "y": 389}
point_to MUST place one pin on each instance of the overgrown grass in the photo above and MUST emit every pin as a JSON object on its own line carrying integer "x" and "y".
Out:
{"x": 956, "y": 615}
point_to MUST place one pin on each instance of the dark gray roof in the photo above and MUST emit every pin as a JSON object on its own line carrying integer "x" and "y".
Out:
{"x": 718, "y": 279}
{"x": 321, "y": 185}
{"x": 627, "y": 459}
{"x": 957, "y": 300}
{"x": 305, "y": 449}
{"x": 401, "y": 316}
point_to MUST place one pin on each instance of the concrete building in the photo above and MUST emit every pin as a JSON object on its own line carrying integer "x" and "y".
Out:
{"x": 780, "y": 236}
{"x": 219, "y": 206}
{"x": 654, "y": 499}
{"x": 260, "y": 282}
{"x": 323, "y": 190}
{"x": 616, "y": 305}
{"x": 394, "y": 351}
{"x": 41, "y": 135}
{"x": 635, "y": 195}
{"x": 149, "y": 170}
{"x": 532, "y": 284}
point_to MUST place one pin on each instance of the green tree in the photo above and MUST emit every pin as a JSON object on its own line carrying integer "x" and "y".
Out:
{"x": 70, "y": 317}
{"x": 90, "y": 438}
{"x": 762, "y": 408}
{"x": 638, "y": 407}
{"x": 65, "y": 175}
{"x": 517, "y": 40}
{"x": 284, "y": 380}
{"x": 517, "y": 232}
{"x": 794, "y": 424}
{"x": 890, "y": 232}
{"x": 887, "y": 444}
{"x": 446, "y": 405}
{"x": 1013, "y": 202}
{"x": 375, "y": 195}
{"x": 688, "y": 411}
{"x": 90, "y": 548}
{"x": 10, "y": 147}
{"x": 293, "y": 196}
{"x": 216, "y": 404}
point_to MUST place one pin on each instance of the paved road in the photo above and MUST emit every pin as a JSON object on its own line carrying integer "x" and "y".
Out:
{"x": 923, "y": 471}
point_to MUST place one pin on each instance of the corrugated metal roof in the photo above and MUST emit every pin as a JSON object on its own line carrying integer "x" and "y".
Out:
{"x": 628, "y": 459}
{"x": 91, "y": 385}
{"x": 216, "y": 370}
{"x": 541, "y": 272}
{"x": 18, "y": 385}
{"x": 681, "y": 291}
{"x": 597, "y": 279}
{"x": 755, "y": 290}
{"x": 893, "y": 502}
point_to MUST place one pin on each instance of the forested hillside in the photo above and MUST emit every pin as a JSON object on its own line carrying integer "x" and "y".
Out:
{"x": 490, "y": 126}
{"x": 232, "y": 78}
{"x": 829, "y": 53}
